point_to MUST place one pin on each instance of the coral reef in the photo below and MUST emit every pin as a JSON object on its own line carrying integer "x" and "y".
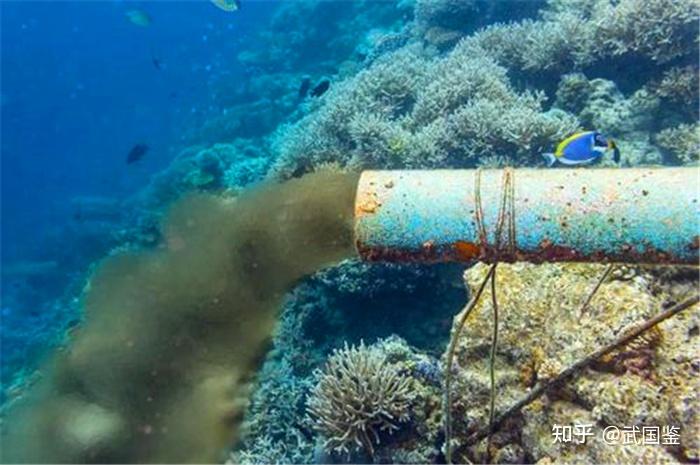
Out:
{"x": 683, "y": 142}
{"x": 646, "y": 383}
{"x": 352, "y": 301}
{"x": 414, "y": 108}
{"x": 574, "y": 33}
{"x": 281, "y": 436}
{"x": 273, "y": 431}
{"x": 679, "y": 85}
{"x": 419, "y": 84}
{"x": 444, "y": 22}
{"x": 218, "y": 167}
{"x": 406, "y": 111}
{"x": 359, "y": 396}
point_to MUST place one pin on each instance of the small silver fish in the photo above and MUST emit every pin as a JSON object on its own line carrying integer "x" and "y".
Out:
{"x": 139, "y": 18}
{"x": 227, "y": 5}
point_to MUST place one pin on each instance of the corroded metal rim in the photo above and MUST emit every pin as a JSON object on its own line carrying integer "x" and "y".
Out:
{"x": 640, "y": 215}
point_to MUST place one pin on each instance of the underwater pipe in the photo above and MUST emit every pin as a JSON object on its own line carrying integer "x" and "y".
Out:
{"x": 638, "y": 215}
{"x": 160, "y": 370}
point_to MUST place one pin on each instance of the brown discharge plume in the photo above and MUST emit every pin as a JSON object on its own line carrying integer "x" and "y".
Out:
{"x": 160, "y": 370}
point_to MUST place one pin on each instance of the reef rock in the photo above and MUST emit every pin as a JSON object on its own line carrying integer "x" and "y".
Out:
{"x": 651, "y": 382}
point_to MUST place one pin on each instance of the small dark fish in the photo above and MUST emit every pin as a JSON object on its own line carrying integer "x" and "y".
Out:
{"x": 156, "y": 63}
{"x": 321, "y": 88}
{"x": 136, "y": 153}
{"x": 304, "y": 88}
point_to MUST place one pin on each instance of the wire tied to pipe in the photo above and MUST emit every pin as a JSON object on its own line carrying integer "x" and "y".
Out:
{"x": 505, "y": 219}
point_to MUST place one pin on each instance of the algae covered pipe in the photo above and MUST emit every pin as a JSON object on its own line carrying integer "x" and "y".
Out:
{"x": 639, "y": 215}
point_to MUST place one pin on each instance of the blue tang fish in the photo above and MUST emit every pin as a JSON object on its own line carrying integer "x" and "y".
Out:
{"x": 582, "y": 148}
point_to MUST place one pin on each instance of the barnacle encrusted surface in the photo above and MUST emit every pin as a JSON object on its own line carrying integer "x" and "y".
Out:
{"x": 652, "y": 381}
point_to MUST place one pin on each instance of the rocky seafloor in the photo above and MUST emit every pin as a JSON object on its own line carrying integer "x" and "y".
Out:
{"x": 437, "y": 84}
{"x": 301, "y": 416}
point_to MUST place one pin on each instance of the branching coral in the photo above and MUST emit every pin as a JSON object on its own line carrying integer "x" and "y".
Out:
{"x": 682, "y": 141}
{"x": 535, "y": 45}
{"x": 359, "y": 395}
{"x": 658, "y": 29}
{"x": 343, "y": 129}
{"x": 416, "y": 109}
{"x": 443, "y": 22}
{"x": 270, "y": 432}
{"x": 678, "y": 90}
{"x": 679, "y": 84}
{"x": 411, "y": 110}
{"x": 579, "y": 32}
{"x": 218, "y": 167}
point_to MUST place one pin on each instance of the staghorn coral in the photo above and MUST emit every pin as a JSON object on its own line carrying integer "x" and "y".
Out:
{"x": 268, "y": 451}
{"x": 535, "y": 45}
{"x": 647, "y": 382}
{"x": 359, "y": 395}
{"x": 384, "y": 92}
{"x": 308, "y": 330}
{"x": 380, "y": 124}
{"x": 339, "y": 302}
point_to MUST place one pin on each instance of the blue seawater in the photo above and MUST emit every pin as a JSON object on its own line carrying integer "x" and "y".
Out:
{"x": 81, "y": 85}
{"x": 229, "y": 105}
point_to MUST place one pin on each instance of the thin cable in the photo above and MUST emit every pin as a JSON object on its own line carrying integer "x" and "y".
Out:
{"x": 585, "y": 305}
{"x": 626, "y": 336}
{"x": 479, "y": 212}
{"x": 492, "y": 359}
{"x": 506, "y": 216}
{"x": 447, "y": 424}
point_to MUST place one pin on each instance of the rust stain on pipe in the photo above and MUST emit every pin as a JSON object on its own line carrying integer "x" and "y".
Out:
{"x": 639, "y": 215}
